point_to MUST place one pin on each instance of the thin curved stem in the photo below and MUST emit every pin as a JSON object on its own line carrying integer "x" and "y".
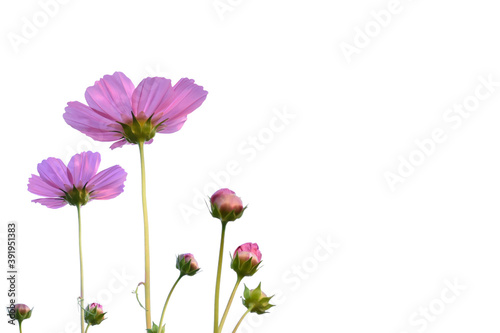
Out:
{"x": 217, "y": 282}
{"x": 229, "y": 302}
{"x": 81, "y": 266}
{"x": 241, "y": 319}
{"x": 166, "y": 302}
{"x": 20, "y": 329}
{"x": 88, "y": 325}
{"x": 147, "y": 285}
{"x": 137, "y": 295}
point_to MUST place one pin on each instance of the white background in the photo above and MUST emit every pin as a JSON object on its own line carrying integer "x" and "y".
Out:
{"x": 318, "y": 178}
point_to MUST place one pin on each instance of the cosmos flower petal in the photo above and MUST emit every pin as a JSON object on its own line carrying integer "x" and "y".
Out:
{"x": 107, "y": 184}
{"x": 150, "y": 95}
{"x": 172, "y": 126}
{"x": 82, "y": 118}
{"x": 54, "y": 172}
{"x": 51, "y": 202}
{"x": 37, "y": 186}
{"x": 119, "y": 144}
{"x": 188, "y": 97}
{"x": 83, "y": 167}
{"x": 252, "y": 248}
{"x": 123, "y": 142}
{"x": 111, "y": 96}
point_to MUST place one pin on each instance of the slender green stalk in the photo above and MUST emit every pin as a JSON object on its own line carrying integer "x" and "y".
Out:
{"x": 217, "y": 282}
{"x": 88, "y": 325}
{"x": 229, "y": 302}
{"x": 137, "y": 295}
{"x": 147, "y": 285}
{"x": 20, "y": 330}
{"x": 166, "y": 302}
{"x": 81, "y": 265}
{"x": 241, "y": 319}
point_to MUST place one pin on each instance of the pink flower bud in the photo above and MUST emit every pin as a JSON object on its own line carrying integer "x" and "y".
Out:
{"x": 187, "y": 264}
{"x": 246, "y": 259}
{"x": 21, "y": 312}
{"x": 94, "y": 314}
{"x": 187, "y": 257}
{"x": 97, "y": 307}
{"x": 22, "y": 309}
{"x": 226, "y": 205}
{"x": 247, "y": 251}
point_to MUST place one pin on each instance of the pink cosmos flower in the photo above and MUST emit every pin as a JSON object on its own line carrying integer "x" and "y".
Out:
{"x": 77, "y": 183}
{"x": 247, "y": 251}
{"x": 118, "y": 111}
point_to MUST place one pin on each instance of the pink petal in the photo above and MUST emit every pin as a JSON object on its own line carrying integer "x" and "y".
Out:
{"x": 172, "y": 126}
{"x": 51, "y": 202}
{"x": 150, "y": 95}
{"x": 251, "y": 248}
{"x": 37, "y": 186}
{"x": 187, "y": 98}
{"x": 107, "y": 184}
{"x": 123, "y": 142}
{"x": 82, "y": 118}
{"x": 83, "y": 166}
{"x": 55, "y": 173}
{"x": 111, "y": 96}
{"x": 119, "y": 144}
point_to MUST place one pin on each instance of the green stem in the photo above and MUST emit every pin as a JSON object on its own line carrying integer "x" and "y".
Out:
{"x": 20, "y": 329}
{"x": 229, "y": 302}
{"x": 168, "y": 298}
{"x": 147, "y": 285}
{"x": 88, "y": 325}
{"x": 241, "y": 319}
{"x": 81, "y": 266}
{"x": 217, "y": 282}
{"x": 137, "y": 295}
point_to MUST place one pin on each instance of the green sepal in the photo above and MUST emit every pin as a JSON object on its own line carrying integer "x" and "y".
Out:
{"x": 156, "y": 329}
{"x": 185, "y": 267}
{"x": 19, "y": 317}
{"x": 93, "y": 317}
{"x": 229, "y": 217}
{"x": 244, "y": 268}
{"x": 139, "y": 130}
{"x": 77, "y": 197}
{"x": 256, "y": 301}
